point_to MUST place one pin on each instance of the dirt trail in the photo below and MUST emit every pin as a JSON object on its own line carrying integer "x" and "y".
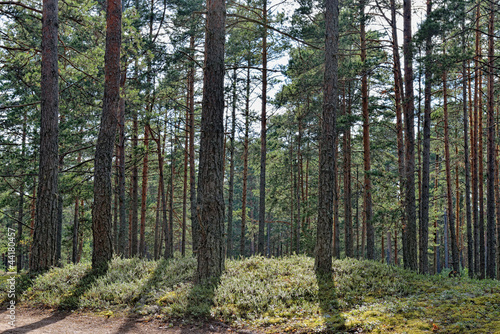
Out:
{"x": 43, "y": 321}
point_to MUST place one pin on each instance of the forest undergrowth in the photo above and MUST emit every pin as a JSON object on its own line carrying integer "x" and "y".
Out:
{"x": 275, "y": 295}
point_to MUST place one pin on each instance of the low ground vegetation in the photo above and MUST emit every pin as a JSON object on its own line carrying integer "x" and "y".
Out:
{"x": 276, "y": 295}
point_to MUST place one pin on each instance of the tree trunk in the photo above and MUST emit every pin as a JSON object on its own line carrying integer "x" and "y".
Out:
{"x": 263, "y": 137}
{"x": 135, "y": 188}
{"x": 449, "y": 193}
{"x": 122, "y": 232}
{"x": 497, "y": 194}
{"x": 482, "y": 250}
{"x": 20, "y": 217}
{"x": 336, "y": 220}
{"x": 144, "y": 193}
{"x": 101, "y": 212}
{"x": 43, "y": 248}
{"x": 367, "y": 205}
{"x": 292, "y": 211}
{"x": 408, "y": 106}
{"x": 245, "y": 165}
{"x": 326, "y": 186}
{"x": 349, "y": 244}
{"x": 192, "y": 166}
{"x": 210, "y": 180}
{"x": 398, "y": 97}
{"x": 490, "y": 204}
{"x": 474, "y": 148}
{"x": 184, "y": 182}
{"x": 169, "y": 240}
{"x": 468, "y": 209}
{"x": 157, "y": 240}
{"x": 80, "y": 243}
{"x": 229, "y": 244}
{"x": 436, "y": 239}
{"x": 426, "y": 153}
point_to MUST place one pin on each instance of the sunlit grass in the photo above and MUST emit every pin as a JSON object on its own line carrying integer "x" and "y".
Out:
{"x": 278, "y": 295}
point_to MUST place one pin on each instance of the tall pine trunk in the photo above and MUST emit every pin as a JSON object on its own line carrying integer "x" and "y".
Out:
{"x": 398, "y": 97}
{"x": 144, "y": 193}
{"x": 245, "y": 165}
{"x": 326, "y": 186}
{"x": 43, "y": 248}
{"x": 349, "y": 244}
{"x": 474, "y": 148}
{"x": 490, "y": 204}
{"x": 185, "y": 180}
{"x": 135, "y": 188}
{"x": 169, "y": 240}
{"x": 426, "y": 152}
{"x": 101, "y": 211}
{"x": 263, "y": 137}
{"x": 367, "y": 206}
{"x": 229, "y": 244}
{"x": 192, "y": 166}
{"x": 210, "y": 180}
{"x": 410, "y": 229}
{"x": 480, "y": 171}
{"x": 468, "y": 209}
{"x": 122, "y": 230}
{"x": 451, "y": 214}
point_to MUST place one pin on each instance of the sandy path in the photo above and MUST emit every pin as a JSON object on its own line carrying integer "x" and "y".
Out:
{"x": 42, "y": 321}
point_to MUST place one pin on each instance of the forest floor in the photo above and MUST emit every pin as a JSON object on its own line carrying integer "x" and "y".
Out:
{"x": 254, "y": 295}
{"x": 38, "y": 321}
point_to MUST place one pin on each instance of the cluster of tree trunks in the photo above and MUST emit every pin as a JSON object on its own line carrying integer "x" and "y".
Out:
{"x": 206, "y": 200}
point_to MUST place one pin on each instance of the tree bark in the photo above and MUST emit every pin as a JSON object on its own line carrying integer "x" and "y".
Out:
{"x": 326, "y": 186}
{"x": 451, "y": 214}
{"x": 169, "y": 240}
{"x": 408, "y": 106}
{"x": 101, "y": 212}
{"x": 192, "y": 166}
{"x": 263, "y": 137}
{"x": 20, "y": 217}
{"x": 336, "y": 220}
{"x": 144, "y": 193}
{"x": 474, "y": 148}
{"x": 426, "y": 153}
{"x": 229, "y": 244}
{"x": 245, "y": 165}
{"x": 490, "y": 204}
{"x": 76, "y": 224}
{"x": 367, "y": 204}
{"x": 135, "y": 188}
{"x": 436, "y": 238}
{"x": 482, "y": 249}
{"x": 43, "y": 248}
{"x": 210, "y": 179}
{"x": 468, "y": 209}
{"x": 497, "y": 194}
{"x": 157, "y": 241}
{"x": 122, "y": 230}
{"x": 349, "y": 244}
{"x": 184, "y": 182}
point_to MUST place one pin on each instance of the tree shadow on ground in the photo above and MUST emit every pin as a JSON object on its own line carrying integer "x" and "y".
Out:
{"x": 196, "y": 312}
{"x": 329, "y": 304}
{"x": 155, "y": 279}
{"x": 200, "y": 301}
{"x": 72, "y": 301}
{"x": 54, "y": 317}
